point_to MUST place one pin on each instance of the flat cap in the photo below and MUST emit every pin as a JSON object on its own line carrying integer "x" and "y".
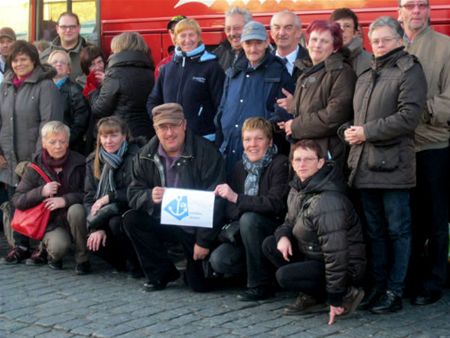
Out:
{"x": 167, "y": 113}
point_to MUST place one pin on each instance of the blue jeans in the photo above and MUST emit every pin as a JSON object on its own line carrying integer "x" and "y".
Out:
{"x": 388, "y": 217}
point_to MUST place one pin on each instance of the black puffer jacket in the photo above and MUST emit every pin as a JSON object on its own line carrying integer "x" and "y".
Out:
{"x": 200, "y": 167}
{"x": 28, "y": 192}
{"x": 128, "y": 81}
{"x": 122, "y": 179}
{"x": 322, "y": 221}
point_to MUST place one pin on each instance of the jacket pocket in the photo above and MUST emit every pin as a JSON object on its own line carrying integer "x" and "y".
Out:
{"x": 383, "y": 156}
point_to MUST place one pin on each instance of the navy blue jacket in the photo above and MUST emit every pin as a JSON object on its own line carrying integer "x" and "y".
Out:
{"x": 194, "y": 80}
{"x": 250, "y": 92}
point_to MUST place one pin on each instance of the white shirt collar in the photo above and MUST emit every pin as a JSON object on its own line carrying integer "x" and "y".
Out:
{"x": 291, "y": 57}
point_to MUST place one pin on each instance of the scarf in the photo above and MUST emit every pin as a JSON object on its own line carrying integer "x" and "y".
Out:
{"x": 91, "y": 85}
{"x": 110, "y": 161}
{"x": 50, "y": 164}
{"x": 18, "y": 82}
{"x": 59, "y": 83}
{"x": 255, "y": 169}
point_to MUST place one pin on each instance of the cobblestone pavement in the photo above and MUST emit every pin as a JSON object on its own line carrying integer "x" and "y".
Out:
{"x": 40, "y": 302}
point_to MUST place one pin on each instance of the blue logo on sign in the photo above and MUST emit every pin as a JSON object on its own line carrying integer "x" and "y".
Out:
{"x": 178, "y": 208}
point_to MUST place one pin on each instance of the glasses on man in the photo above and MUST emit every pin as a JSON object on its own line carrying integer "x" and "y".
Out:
{"x": 411, "y": 5}
{"x": 169, "y": 126}
{"x": 69, "y": 27}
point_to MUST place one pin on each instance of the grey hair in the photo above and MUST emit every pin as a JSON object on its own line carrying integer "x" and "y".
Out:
{"x": 387, "y": 21}
{"x": 54, "y": 127}
{"x": 241, "y": 11}
{"x": 297, "y": 22}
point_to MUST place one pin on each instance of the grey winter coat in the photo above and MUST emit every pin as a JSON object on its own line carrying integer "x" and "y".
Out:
{"x": 23, "y": 112}
{"x": 388, "y": 103}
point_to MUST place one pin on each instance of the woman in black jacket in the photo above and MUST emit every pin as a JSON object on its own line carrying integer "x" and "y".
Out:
{"x": 108, "y": 174}
{"x": 128, "y": 81}
{"x": 256, "y": 206}
{"x": 76, "y": 108}
{"x": 319, "y": 250}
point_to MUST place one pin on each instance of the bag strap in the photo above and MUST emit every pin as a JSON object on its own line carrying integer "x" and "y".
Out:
{"x": 40, "y": 172}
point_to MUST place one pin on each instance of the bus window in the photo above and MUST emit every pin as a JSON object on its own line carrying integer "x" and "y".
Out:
{"x": 15, "y": 14}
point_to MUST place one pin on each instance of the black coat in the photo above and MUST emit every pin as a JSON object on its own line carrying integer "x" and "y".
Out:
{"x": 200, "y": 167}
{"x": 128, "y": 81}
{"x": 324, "y": 224}
{"x": 272, "y": 192}
{"x": 28, "y": 192}
{"x": 227, "y": 56}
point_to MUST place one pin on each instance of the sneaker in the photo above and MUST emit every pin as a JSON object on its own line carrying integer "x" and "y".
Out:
{"x": 83, "y": 268}
{"x": 38, "y": 257}
{"x": 351, "y": 300}
{"x": 305, "y": 304}
{"x": 54, "y": 264}
{"x": 16, "y": 255}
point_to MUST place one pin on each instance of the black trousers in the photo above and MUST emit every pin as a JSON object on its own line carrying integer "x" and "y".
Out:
{"x": 307, "y": 276}
{"x": 148, "y": 236}
{"x": 428, "y": 267}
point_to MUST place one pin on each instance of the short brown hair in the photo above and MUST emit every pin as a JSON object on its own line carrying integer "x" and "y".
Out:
{"x": 23, "y": 47}
{"x": 260, "y": 123}
{"x": 89, "y": 54}
{"x": 187, "y": 24}
{"x": 73, "y": 15}
{"x": 307, "y": 144}
{"x": 129, "y": 41}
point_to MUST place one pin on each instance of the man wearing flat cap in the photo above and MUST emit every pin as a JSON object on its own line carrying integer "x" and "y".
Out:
{"x": 252, "y": 87}
{"x": 7, "y": 38}
{"x": 174, "y": 158}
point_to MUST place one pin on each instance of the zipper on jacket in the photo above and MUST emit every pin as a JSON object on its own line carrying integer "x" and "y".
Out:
{"x": 159, "y": 167}
{"x": 200, "y": 111}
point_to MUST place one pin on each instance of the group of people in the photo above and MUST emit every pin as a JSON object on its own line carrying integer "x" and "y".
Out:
{"x": 324, "y": 159}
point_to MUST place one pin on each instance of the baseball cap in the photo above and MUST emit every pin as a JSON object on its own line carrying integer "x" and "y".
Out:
{"x": 167, "y": 113}
{"x": 176, "y": 19}
{"x": 7, "y": 32}
{"x": 254, "y": 30}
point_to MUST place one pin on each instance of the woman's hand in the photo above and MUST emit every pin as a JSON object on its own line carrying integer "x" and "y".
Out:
{"x": 157, "y": 194}
{"x": 285, "y": 102}
{"x": 285, "y": 247}
{"x": 96, "y": 239}
{"x": 99, "y": 76}
{"x": 99, "y": 204}
{"x": 286, "y": 126}
{"x": 3, "y": 162}
{"x": 224, "y": 191}
{"x": 355, "y": 135}
{"x": 50, "y": 189}
{"x": 54, "y": 203}
{"x": 200, "y": 252}
{"x": 334, "y": 312}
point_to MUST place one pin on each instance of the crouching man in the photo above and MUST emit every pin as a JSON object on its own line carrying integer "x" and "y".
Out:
{"x": 174, "y": 158}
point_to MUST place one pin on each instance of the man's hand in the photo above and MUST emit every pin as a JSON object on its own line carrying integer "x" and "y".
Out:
{"x": 285, "y": 247}
{"x": 200, "y": 252}
{"x": 285, "y": 102}
{"x": 355, "y": 135}
{"x": 334, "y": 312}
{"x": 286, "y": 126}
{"x": 224, "y": 191}
{"x": 157, "y": 194}
{"x": 96, "y": 239}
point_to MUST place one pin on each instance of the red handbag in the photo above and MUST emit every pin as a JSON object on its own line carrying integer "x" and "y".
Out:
{"x": 32, "y": 222}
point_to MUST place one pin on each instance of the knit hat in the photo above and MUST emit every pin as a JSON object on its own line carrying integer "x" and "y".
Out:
{"x": 167, "y": 113}
{"x": 7, "y": 32}
{"x": 254, "y": 30}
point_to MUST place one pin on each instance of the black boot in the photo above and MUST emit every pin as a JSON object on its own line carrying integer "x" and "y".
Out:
{"x": 390, "y": 302}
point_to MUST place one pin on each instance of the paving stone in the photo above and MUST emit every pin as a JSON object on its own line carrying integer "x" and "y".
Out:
{"x": 31, "y": 331}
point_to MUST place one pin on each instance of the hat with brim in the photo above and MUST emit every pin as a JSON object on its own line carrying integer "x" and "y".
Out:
{"x": 171, "y": 113}
{"x": 254, "y": 30}
{"x": 7, "y": 32}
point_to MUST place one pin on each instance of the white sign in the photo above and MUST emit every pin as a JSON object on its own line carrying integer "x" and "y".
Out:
{"x": 187, "y": 207}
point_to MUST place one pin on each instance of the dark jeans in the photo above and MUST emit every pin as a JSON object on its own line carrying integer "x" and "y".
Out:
{"x": 307, "y": 276}
{"x": 148, "y": 237}
{"x": 234, "y": 259}
{"x": 118, "y": 249}
{"x": 428, "y": 269}
{"x": 388, "y": 218}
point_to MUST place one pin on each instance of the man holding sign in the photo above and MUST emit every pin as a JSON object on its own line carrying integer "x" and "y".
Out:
{"x": 174, "y": 158}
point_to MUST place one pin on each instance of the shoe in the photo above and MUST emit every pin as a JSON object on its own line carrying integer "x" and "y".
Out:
{"x": 256, "y": 293}
{"x": 16, "y": 255}
{"x": 83, "y": 268}
{"x": 55, "y": 265}
{"x": 302, "y": 305}
{"x": 390, "y": 302}
{"x": 160, "y": 284}
{"x": 370, "y": 298}
{"x": 426, "y": 297}
{"x": 38, "y": 257}
{"x": 351, "y": 300}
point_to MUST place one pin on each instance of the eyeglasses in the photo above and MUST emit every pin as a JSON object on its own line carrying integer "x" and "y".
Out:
{"x": 385, "y": 40}
{"x": 61, "y": 62}
{"x": 307, "y": 160}
{"x": 168, "y": 126}
{"x": 410, "y": 6}
{"x": 70, "y": 27}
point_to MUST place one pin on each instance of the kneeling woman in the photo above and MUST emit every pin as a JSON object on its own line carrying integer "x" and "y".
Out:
{"x": 319, "y": 250}
{"x": 63, "y": 196}
{"x": 108, "y": 174}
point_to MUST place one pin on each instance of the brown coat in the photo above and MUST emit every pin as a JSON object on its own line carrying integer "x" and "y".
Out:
{"x": 388, "y": 103}
{"x": 322, "y": 102}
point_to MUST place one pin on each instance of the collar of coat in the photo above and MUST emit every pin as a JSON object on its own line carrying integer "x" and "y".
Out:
{"x": 334, "y": 62}
{"x": 56, "y": 44}
{"x": 130, "y": 58}
{"x": 398, "y": 57}
{"x": 268, "y": 60}
{"x": 41, "y": 72}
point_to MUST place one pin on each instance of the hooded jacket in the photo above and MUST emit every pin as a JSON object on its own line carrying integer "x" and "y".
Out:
{"x": 359, "y": 57}
{"x": 195, "y": 81}
{"x": 23, "y": 112}
{"x": 128, "y": 81}
{"x": 323, "y": 223}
